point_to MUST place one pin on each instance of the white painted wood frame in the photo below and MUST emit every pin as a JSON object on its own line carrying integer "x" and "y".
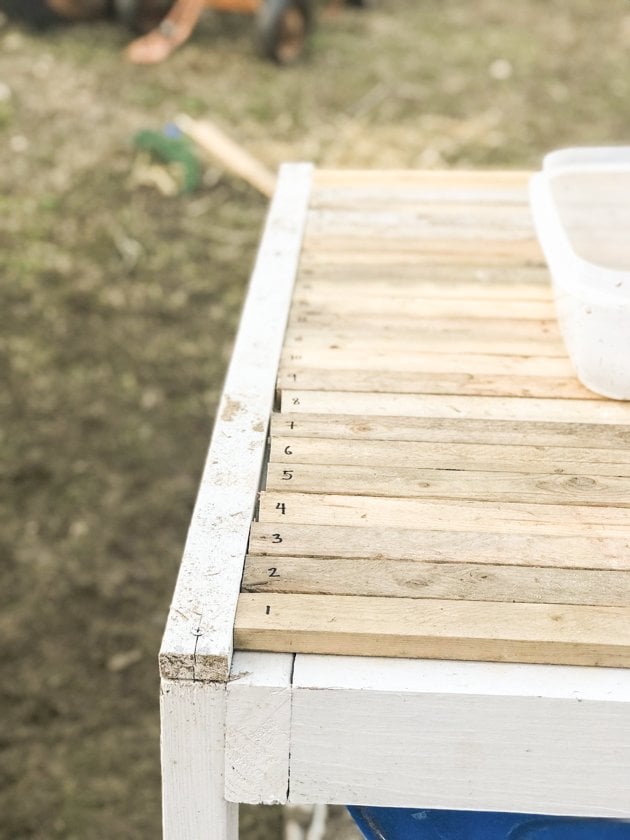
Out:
{"x": 193, "y": 733}
{"x": 197, "y": 643}
{"x": 435, "y": 734}
{"x": 258, "y": 727}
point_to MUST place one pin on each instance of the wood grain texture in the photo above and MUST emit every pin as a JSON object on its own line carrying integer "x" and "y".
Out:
{"x": 404, "y": 627}
{"x": 461, "y": 460}
{"x": 404, "y": 180}
{"x": 404, "y": 382}
{"x": 477, "y": 408}
{"x": 429, "y": 307}
{"x": 481, "y": 457}
{"x": 443, "y": 515}
{"x": 416, "y": 579}
{"x": 534, "y": 488}
{"x": 449, "y": 429}
{"x": 435, "y": 546}
{"x": 331, "y": 286}
{"x": 342, "y": 343}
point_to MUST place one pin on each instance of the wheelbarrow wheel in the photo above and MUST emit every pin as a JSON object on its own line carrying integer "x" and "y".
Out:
{"x": 281, "y": 29}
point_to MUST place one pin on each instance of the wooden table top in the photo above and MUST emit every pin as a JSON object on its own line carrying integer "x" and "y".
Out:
{"x": 439, "y": 484}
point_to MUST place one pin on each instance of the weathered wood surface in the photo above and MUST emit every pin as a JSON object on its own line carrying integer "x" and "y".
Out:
{"x": 449, "y": 429}
{"x": 283, "y": 507}
{"x": 438, "y": 484}
{"x": 483, "y": 408}
{"x": 435, "y": 629}
{"x": 419, "y": 579}
{"x": 586, "y": 551}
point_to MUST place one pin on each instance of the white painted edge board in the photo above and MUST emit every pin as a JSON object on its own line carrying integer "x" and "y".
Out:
{"x": 258, "y": 725}
{"x": 197, "y": 643}
{"x": 476, "y": 736}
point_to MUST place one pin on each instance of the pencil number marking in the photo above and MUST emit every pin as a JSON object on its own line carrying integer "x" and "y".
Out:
{"x": 277, "y": 539}
{"x": 281, "y": 506}
{"x": 273, "y": 571}
{"x": 287, "y": 475}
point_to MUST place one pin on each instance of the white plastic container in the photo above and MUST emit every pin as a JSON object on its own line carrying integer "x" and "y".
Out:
{"x": 581, "y": 207}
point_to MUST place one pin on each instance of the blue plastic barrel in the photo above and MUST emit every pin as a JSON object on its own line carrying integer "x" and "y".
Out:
{"x": 422, "y": 824}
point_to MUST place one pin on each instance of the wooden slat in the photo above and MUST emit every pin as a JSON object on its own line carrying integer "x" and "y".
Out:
{"x": 479, "y": 281}
{"x": 446, "y": 250}
{"x": 404, "y": 382}
{"x": 346, "y": 344}
{"x": 423, "y": 307}
{"x": 433, "y": 546}
{"x": 283, "y": 507}
{"x": 415, "y": 579}
{"x": 454, "y": 430}
{"x": 400, "y": 219}
{"x": 473, "y": 364}
{"x": 405, "y": 179}
{"x": 535, "y": 488}
{"x": 518, "y": 248}
{"x": 481, "y": 408}
{"x": 452, "y": 456}
{"x": 331, "y": 287}
{"x": 324, "y": 326}
{"x": 404, "y": 627}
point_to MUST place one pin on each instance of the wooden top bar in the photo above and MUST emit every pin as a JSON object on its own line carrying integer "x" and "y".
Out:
{"x": 439, "y": 484}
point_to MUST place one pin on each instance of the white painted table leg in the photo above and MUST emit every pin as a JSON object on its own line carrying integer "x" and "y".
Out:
{"x": 193, "y": 758}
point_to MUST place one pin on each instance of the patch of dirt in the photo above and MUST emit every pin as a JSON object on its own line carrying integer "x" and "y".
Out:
{"x": 118, "y": 307}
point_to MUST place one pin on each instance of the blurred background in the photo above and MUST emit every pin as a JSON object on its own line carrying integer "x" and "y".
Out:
{"x": 118, "y": 305}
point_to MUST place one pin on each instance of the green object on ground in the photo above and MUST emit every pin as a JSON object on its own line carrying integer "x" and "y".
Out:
{"x": 172, "y": 150}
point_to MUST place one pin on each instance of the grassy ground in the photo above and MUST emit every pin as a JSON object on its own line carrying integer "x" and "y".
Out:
{"x": 118, "y": 307}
